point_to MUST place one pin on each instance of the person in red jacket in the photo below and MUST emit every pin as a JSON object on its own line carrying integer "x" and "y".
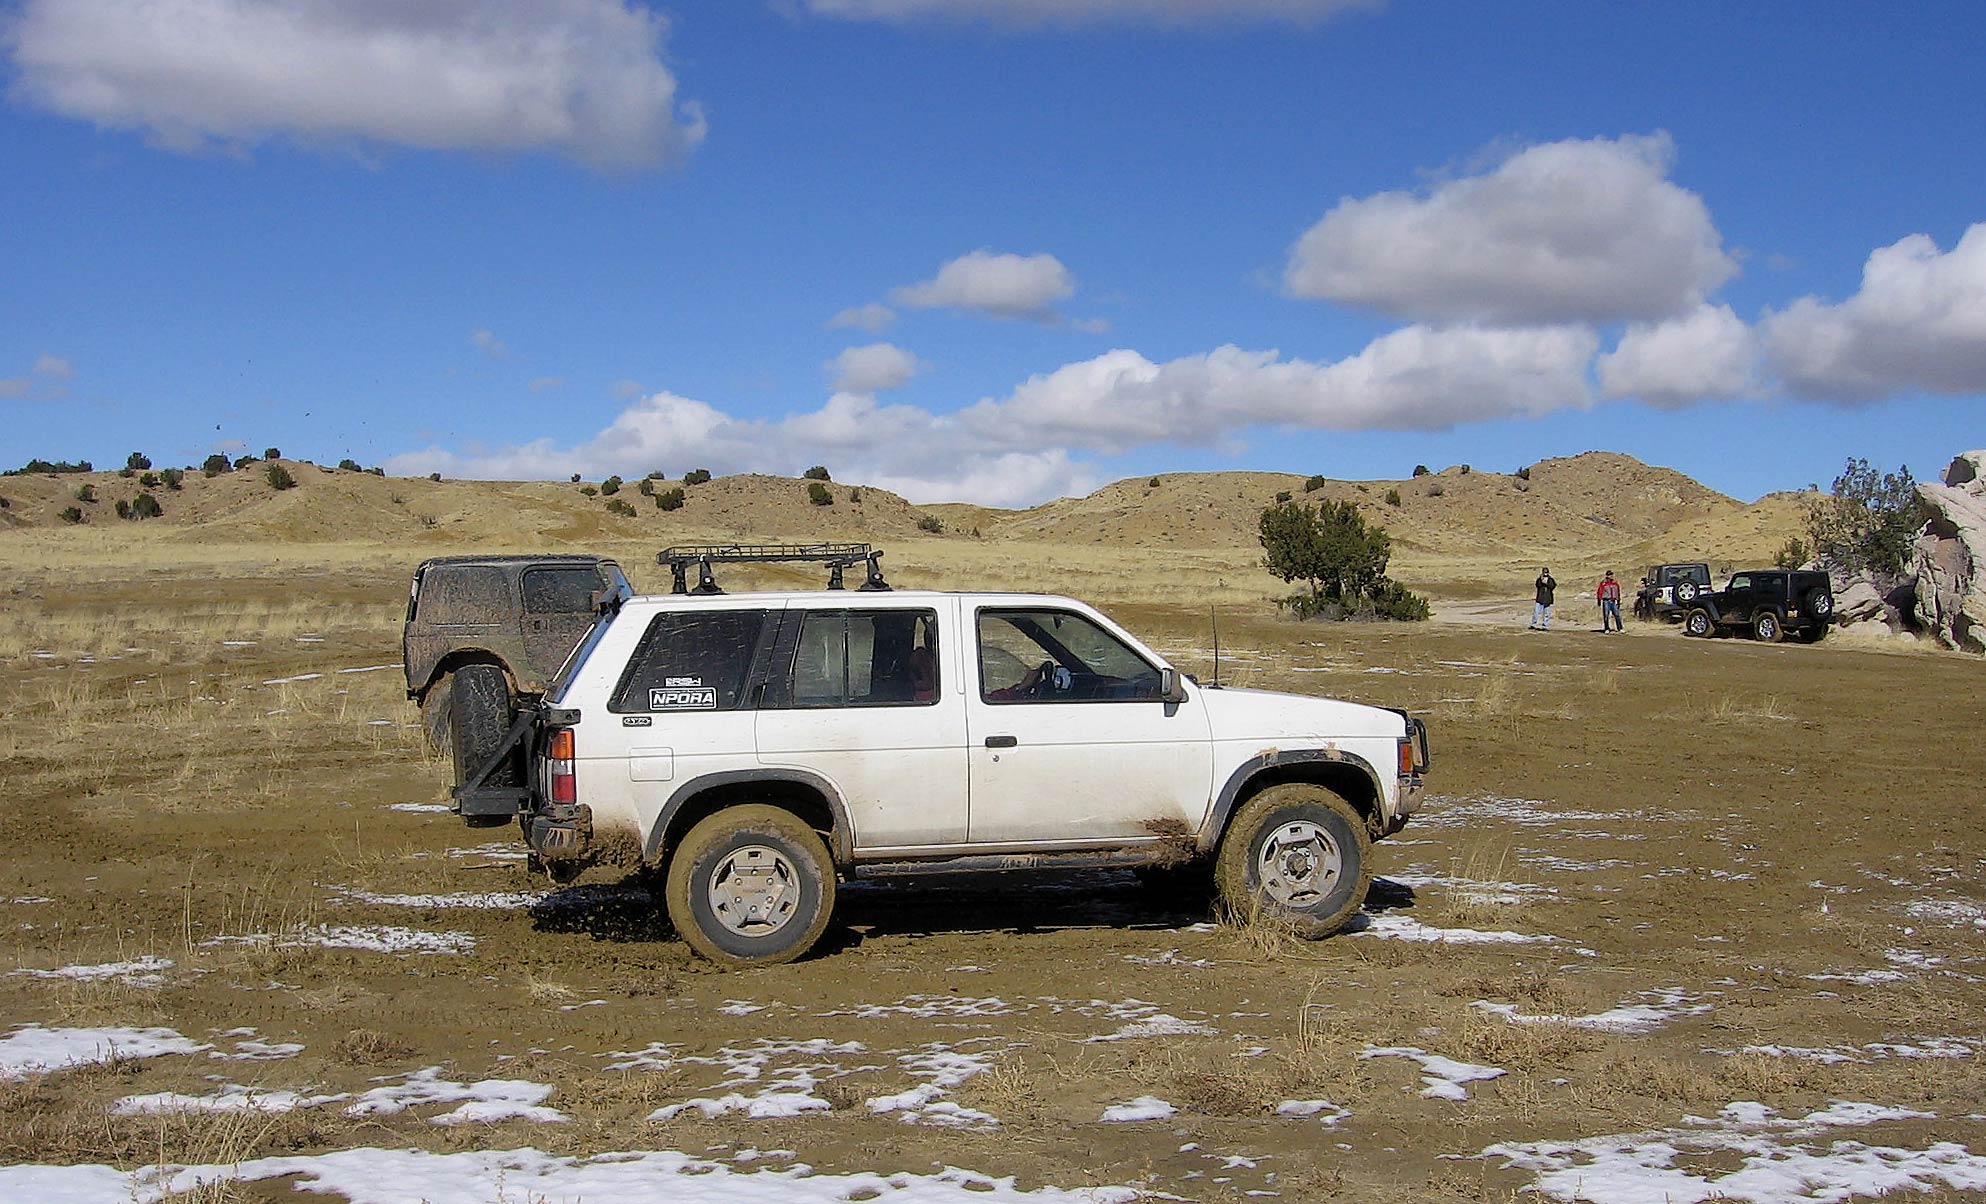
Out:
{"x": 1609, "y": 595}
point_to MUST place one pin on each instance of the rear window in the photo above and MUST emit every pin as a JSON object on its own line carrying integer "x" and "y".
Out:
{"x": 690, "y": 661}
{"x": 560, "y": 591}
{"x": 454, "y": 594}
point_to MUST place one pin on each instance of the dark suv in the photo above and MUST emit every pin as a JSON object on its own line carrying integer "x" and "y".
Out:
{"x": 1770, "y": 603}
{"x": 484, "y": 632}
{"x": 1669, "y": 590}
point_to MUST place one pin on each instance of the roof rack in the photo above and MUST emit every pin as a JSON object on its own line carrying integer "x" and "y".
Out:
{"x": 837, "y": 556}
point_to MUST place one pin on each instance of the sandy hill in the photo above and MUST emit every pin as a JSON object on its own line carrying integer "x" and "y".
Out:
{"x": 1596, "y": 508}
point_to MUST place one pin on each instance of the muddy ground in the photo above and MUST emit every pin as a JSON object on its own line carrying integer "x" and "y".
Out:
{"x": 1681, "y": 918}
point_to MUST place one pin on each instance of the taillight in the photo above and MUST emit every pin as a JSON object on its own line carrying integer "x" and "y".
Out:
{"x": 565, "y": 787}
{"x": 1406, "y": 758}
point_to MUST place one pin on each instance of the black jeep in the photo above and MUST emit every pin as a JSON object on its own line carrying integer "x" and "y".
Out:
{"x": 1770, "y": 603}
{"x": 1669, "y": 590}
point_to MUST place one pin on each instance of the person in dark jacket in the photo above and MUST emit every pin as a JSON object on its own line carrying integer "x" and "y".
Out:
{"x": 1541, "y": 614}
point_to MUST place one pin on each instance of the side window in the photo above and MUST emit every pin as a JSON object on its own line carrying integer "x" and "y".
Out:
{"x": 453, "y": 594}
{"x": 1058, "y": 656}
{"x": 561, "y": 591}
{"x": 855, "y": 658}
{"x": 690, "y": 661}
{"x": 1741, "y": 581}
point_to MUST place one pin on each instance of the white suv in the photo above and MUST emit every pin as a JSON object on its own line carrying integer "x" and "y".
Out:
{"x": 759, "y": 748}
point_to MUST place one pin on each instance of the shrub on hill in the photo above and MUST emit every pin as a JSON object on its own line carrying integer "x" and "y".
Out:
{"x": 670, "y": 499}
{"x": 1392, "y": 497}
{"x": 645, "y": 487}
{"x": 1420, "y": 470}
{"x": 123, "y": 508}
{"x": 216, "y": 464}
{"x": 351, "y": 465}
{"x": 1792, "y": 554}
{"x": 930, "y": 525}
{"x": 435, "y": 477}
{"x": 1523, "y": 474}
{"x": 87, "y": 493}
{"x": 818, "y": 494}
{"x": 620, "y": 507}
{"x": 50, "y": 467}
{"x": 611, "y": 486}
{"x": 72, "y": 515}
{"x": 1339, "y": 558}
{"x": 244, "y": 461}
{"x": 272, "y": 453}
{"x": 172, "y": 477}
{"x": 1314, "y": 483}
{"x": 1282, "y": 495}
{"x": 855, "y": 495}
{"x": 279, "y": 478}
{"x": 696, "y": 476}
{"x": 146, "y": 506}
{"x": 1152, "y": 484}
{"x": 137, "y": 461}
{"x": 818, "y": 472}
{"x": 589, "y": 491}
{"x": 149, "y": 480}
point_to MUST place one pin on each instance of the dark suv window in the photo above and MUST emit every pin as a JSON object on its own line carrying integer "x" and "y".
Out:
{"x": 561, "y": 591}
{"x": 452, "y": 594}
{"x": 691, "y": 661}
{"x": 856, "y": 658}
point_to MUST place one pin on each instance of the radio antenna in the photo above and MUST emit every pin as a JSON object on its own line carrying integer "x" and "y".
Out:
{"x": 1215, "y": 619}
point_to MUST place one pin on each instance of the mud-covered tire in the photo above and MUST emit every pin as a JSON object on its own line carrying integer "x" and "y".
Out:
{"x": 1697, "y": 623}
{"x": 435, "y": 707}
{"x": 750, "y": 886}
{"x": 1814, "y": 634}
{"x": 1767, "y": 628}
{"x": 1296, "y": 854}
{"x": 479, "y": 716}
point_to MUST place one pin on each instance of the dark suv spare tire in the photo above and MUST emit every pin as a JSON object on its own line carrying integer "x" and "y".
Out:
{"x": 1817, "y": 604}
{"x": 479, "y": 716}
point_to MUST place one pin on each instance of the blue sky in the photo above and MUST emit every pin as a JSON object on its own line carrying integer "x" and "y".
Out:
{"x": 993, "y": 250}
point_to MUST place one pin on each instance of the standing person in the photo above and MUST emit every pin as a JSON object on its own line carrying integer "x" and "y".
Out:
{"x": 1609, "y": 595}
{"x": 1541, "y": 614}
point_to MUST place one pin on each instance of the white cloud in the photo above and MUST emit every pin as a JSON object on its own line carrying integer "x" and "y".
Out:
{"x": 489, "y": 344}
{"x": 1090, "y": 12}
{"x": 873, "y": 317}
{"x": 1574, "y": 231}
{"x": 996, "y": 283}
{"x": 53, "y": 366}
{"x": 1027, "y": 446}
{"x": 876, "y": 368}
{"x": 1918, "y": 323}
{"x": 581, "y": 78}
{"x": 1709, "y": 354}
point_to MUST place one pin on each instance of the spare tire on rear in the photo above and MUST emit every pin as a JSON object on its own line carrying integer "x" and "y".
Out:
{"x": 480, "y": 713}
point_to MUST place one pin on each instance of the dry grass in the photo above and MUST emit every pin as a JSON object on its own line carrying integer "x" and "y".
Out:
{"x": 369, "y": 1047}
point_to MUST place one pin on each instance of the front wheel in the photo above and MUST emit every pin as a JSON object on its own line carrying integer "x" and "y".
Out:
{"x": 750, "y": 886}
{"x": 1765, "y": 625}
{"x": 1697, "y": 624}
{"x": 1298, "y": 854}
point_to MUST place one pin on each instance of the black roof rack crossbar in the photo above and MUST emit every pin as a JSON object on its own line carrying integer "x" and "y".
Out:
{"x": 837, "y": 556}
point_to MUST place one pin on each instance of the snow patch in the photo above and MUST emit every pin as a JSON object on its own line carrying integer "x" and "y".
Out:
{"x": 1662, "y": 1006}
{"x": 1145, "y": 1107}
{"x": 32, "y": 1049}
{"x": 146, "y": 971}
{"x": 480, "y": 1102}
{"x": 1441, "y": 1078}
{"x": 1397, "y": 927}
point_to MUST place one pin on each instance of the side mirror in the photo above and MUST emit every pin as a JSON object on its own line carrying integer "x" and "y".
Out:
{"x": 1171, "y": 689}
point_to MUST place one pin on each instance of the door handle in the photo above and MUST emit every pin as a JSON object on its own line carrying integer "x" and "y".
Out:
{"x": 1002, "y": 741}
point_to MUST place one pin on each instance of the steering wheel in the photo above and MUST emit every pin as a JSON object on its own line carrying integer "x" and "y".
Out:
{"x": 1044, "y": 681}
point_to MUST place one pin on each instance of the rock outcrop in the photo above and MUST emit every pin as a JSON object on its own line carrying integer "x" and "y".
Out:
{"x": 1950, "y": 559}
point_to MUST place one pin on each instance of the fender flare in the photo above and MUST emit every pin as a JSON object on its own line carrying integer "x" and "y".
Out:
{"x": 841, "y": 840}
{"x": 1230, "y": 793}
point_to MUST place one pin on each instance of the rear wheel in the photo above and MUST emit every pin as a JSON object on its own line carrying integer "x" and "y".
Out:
{"x": 1697, "y": 623}
{"x": 435, "y": 705}
{"x": 479, "y": 716}
{"x": 1297, "y": 854}
{"x": 1814, "y": 634}
{"x": 1765, "y": 625}
{"x": 750, "y": 886}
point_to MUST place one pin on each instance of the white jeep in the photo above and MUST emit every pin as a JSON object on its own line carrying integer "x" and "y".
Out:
{"x": 758, "y": 748}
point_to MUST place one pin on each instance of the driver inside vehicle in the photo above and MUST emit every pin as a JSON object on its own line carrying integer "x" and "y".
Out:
{"x": 1044, "y": 679}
